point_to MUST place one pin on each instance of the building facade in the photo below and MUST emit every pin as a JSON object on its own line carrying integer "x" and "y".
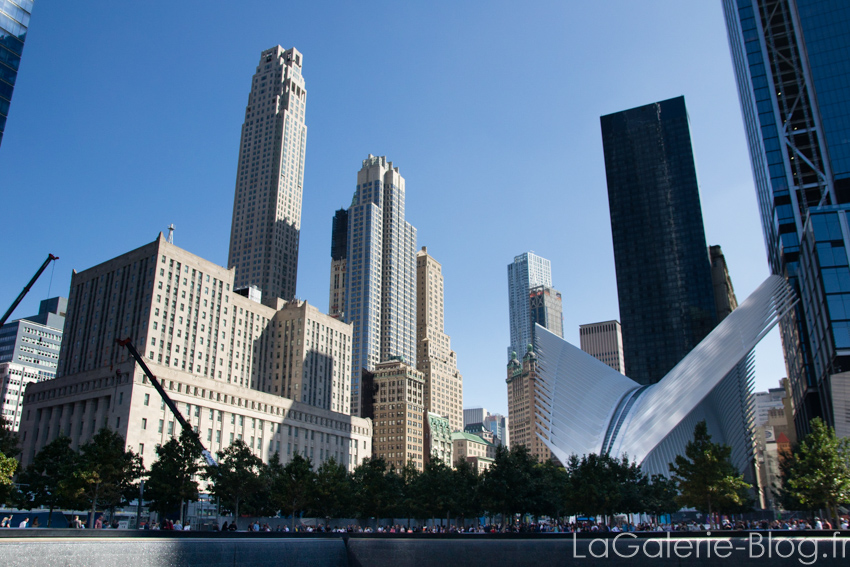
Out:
{"x": 339, "y": 239}
{"x": 378, "y": 272}
{"x": 14, "y": 20}
{"x": 604, "y": 341}
{"x": 528, "y": 270}
{"x": 266, "y": 225}
{"x": 724, "y": 293}
{"x": 197, "y": 332}
{"x": 312, "y": 360}
{"x": 545, "y": 309}
{"x": 792, "y": 58}
{"x": 473, "y": 449}
{"x": 438, "y": 439}
{"x": 394, "y": 401}
{"x": 121, "y": 398}
{"x": 435, "y": 358}
{"x": 29, "y": 352}
{"x": 524, "y": 396}
{"x": 664, "y": 281}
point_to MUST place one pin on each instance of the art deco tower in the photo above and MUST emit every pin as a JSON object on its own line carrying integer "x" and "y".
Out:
{"x": 266, "y": 222}
{"x": 435, "y": 357}
{"x": 377, "y": 270}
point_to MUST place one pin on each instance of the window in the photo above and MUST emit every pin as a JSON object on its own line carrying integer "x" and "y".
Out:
{"x": 144, "y": 423}
{"x": 147, "y": 399}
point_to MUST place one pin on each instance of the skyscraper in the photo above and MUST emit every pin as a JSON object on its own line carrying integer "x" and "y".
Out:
{"x": 528, "y": 271}
{"x": 14, "y": 19}
{"x": 379, "y": 271}
{"x": 663, "y": 271}
{"x": 266, "y": 223}
{"x": 792, "y": 63}
{"x": 435, "y": 358}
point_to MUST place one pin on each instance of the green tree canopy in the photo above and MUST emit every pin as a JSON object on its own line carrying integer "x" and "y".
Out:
{"x": 105, "y": 473}
{"x": 42, "y": 479}
{"x": 172, "y": 478}
{"x": 292, "y": 485}
{"x": 705, "y": 476}
{"x": 818, "y": 470}
{"x": 331, "y": 491}
{"x": 236, "y": 478}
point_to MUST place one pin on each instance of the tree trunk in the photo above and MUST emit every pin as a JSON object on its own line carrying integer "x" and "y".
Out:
{"x": 49, "y": 514}
{"x": 93, "y": 505}
{"x": 182, "y": 503}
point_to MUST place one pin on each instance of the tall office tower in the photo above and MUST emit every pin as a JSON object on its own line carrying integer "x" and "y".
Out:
{"x": 792, "y": 60}
{"x": 266, "y": 225}
{"x": 14, "y": 19}
{"x": 434, "y": 356}
{"x": 29, "y": 352}
{"x": 527, "y": 271}
{"x": 339, "y": 242}
{"x": 604, "y": 341}
{"x": 663, "y": 272}
{"x": 379, "y": 272}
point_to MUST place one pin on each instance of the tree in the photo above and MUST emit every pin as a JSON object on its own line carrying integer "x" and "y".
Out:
{"x": 603, "y": 485}
{"x": 10, "y": 442}
{"x": 172, "y": 479}
{"x": 375, "y": 488}
{"x": 331, "y": 491}
{"x": 508, "y": 486}
{"x": 105, "y": 473}
{"x": 818, "y": 471}
{"x": 705, "y": 476}
{"x": 8, "y": 466}
{"x": 42, "y": 479}
{"x": 466, "y": 485}
{"x": 292, "y": 486}
{"x": 660, "y": 496}
{"x": 237, "y": 476}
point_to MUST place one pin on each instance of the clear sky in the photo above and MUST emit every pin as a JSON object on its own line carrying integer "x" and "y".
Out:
{"x": 126, "y": 118}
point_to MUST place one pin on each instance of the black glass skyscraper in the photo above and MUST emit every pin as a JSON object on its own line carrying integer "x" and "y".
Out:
{"x": 14, "y": 19}
{"x": 663, "y": 270}
{"x": 792, "y": 65}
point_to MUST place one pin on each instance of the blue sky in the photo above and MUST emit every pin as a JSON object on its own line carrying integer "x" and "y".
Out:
{"x": 126, "y": 118}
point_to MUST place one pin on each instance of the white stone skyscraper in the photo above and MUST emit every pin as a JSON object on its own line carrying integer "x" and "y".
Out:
{"x": 528, "y": 270}
{"x": 378, "y": 271}
{"x": 266, "y": 224}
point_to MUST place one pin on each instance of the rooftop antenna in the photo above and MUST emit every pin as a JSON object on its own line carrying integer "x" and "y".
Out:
{"x": 171, "y": 233}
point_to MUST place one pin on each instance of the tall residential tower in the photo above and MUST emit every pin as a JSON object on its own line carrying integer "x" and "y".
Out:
{"x": 526, "y": 307}
{"x": 266, "y": 224}
{"x": 378, "y": 271}
{"x": 792, "y": 63}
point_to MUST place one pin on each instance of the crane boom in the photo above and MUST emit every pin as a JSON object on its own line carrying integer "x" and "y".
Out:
{"x": 50, "y": 258}
{"x": 165, "y": 397}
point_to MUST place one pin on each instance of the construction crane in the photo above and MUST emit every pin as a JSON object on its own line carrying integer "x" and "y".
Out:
{"x": 50, "y": 258}
{"x": 165, "y": 397}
